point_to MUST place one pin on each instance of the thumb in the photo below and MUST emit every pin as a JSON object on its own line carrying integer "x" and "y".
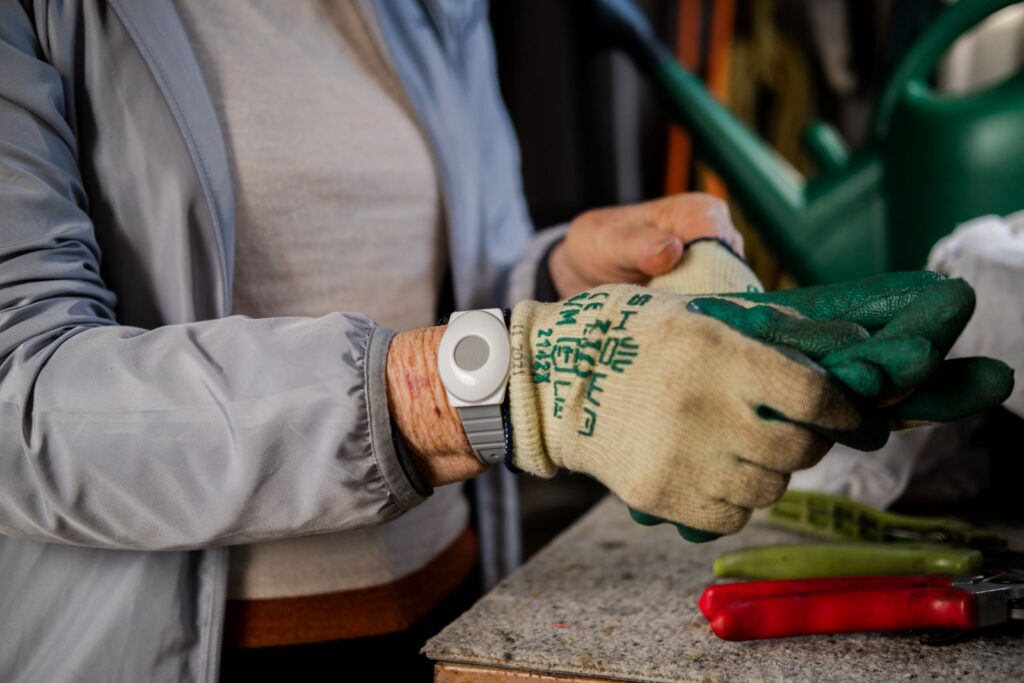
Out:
{"x": 652, "y": 251}
{"x": 619, "y": 244}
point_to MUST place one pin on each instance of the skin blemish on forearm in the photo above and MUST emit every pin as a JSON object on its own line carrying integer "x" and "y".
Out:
{"x": 415, "y": 384}
{"x": 419, "y": 408}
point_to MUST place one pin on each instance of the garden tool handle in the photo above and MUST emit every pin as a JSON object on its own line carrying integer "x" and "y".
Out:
{"x": 847, "y": 612}
{"x": 924, "y": 55}
{"x": 844, "y": 559}
{"x": 770, "y": 189}
{"x": 721, "y": 595}
{"x": 624, "y": 24}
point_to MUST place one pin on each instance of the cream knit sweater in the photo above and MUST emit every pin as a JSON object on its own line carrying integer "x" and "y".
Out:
{"x": 338, "y": 208}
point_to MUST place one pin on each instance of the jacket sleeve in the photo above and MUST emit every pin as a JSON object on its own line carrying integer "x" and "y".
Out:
{"x": 525, "y": 277}
{"x": 189, "y": 435}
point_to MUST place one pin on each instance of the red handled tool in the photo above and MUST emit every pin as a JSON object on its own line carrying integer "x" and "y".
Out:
{"x": 799, "y": 607}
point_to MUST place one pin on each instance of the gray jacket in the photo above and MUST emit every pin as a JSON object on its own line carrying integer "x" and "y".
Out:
{"x": 142, "y": 427}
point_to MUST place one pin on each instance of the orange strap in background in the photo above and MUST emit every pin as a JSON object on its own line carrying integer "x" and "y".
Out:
{"x": 680, "y": 148}
{"x": 723, "y": 21}
{"x": 688, "y": 48}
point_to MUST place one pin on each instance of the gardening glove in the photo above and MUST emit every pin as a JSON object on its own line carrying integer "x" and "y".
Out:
{"x": 904, "y": 324}
{"x": 887, "y": 341}
{"x": 679, "y": 414}
{"x": 708, "y": 266}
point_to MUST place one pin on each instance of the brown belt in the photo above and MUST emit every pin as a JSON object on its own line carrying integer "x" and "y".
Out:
{"x": 356, "y": 613}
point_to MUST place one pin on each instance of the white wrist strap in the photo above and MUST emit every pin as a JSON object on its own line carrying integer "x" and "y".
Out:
{"x": 485, "y": 431}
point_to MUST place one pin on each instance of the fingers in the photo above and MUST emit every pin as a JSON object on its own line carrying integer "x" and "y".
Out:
{"x": 618, "y": 245}
{"x": 870, "y": 302}
{"x": 737, "y": 480}
{"x": 687, "y": 533}
{"x": 695, "y": 215}
{"x": 794, "y": 390}
{"x": 908, "y": 349}
{"x": 751, "y": 485}
{"x": 635, "y": 243}
{"x": 632, "y": 244}
{"x": 711, "y": 519}
{"x": 869, "y": 434}
{"x": 782, "y": 447}
{"x": 868, "y": 366}
{"x": 877, "y": 366}
{"x": 654, "y": 251}
{"x": 860, "y": 376}
{"x": 938, "y": 314}
{"x": 703, "y": 513}
{"x": 644, "y": 518}
{"x": 959, "y": 388}
{"x": 733, "y": 485}
{"x": 786, "y": 386}
{"x": 902, "y": 354}
{"x": 764, "y": 323}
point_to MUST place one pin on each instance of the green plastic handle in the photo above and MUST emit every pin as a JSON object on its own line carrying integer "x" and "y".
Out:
{"x": 837, "y": 518}
{"x": 845, "y": 559}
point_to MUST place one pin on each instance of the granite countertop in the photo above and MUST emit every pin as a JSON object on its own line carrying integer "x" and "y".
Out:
{"x": 610, "y": 598}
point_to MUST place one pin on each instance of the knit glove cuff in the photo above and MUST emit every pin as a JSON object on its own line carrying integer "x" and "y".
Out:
{"x": 709, "y": 266}
{"x": 524, "y": 395}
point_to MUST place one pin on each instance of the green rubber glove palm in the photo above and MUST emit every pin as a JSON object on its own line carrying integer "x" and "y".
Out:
{"x": 884, "y": 337}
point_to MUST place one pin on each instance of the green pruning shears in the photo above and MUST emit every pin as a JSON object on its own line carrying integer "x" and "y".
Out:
{"x": 884, "y": 338}
{"x": 838, "y": 518}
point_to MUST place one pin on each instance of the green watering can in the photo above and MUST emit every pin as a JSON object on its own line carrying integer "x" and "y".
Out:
{"x": 930, "y": 161}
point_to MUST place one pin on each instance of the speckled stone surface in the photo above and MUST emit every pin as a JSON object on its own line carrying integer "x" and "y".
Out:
{"x": 610, "y": 598}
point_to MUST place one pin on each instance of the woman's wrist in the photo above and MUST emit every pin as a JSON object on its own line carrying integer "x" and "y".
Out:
{"x": 419, "y": 408}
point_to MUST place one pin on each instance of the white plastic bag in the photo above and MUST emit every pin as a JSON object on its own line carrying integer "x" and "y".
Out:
{"x": 987, "y": 252}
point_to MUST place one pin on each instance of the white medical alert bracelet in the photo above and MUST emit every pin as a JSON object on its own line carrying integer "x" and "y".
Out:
{"x": 473, "y": 360}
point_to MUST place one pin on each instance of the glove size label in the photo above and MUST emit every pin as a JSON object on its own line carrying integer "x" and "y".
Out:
{"x": 585, "y": 344}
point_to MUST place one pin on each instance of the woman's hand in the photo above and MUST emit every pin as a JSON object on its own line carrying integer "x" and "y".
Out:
{"x": 695, "y": 410}
{"x": 634, "y": 243}
{"x": 681, "y": 415}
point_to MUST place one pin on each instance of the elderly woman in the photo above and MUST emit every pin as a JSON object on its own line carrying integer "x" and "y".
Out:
{"x": 200, "y": 450}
